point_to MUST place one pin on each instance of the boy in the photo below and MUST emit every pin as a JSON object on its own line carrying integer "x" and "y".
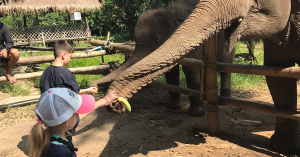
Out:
{"x": 56, "y": 75}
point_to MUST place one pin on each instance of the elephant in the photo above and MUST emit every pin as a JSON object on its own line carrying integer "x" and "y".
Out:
{"x": 154, "y": 27}
{"x": 276, "y": 22}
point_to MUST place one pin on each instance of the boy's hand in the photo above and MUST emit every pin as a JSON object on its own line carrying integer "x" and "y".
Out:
{"x": 92, "y": 90}
{"x": 111, "y": 96}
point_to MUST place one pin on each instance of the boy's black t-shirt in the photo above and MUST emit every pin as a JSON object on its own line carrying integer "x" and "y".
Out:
{"x": 62, "y": 77}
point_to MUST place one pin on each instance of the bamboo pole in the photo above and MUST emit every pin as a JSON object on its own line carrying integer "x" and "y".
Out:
{"x": 211, "y": 85}
{"x": 50, "y": 58}
{"x": 260, "y": 107}
{"x": 108, "y": 36}
{"x": 49, "y": 48}
{"x": 117, "y": 46}
{"x": 292, "y": 72}
{"x": 233, "y": 102}
{"x": 80, "y": 70}
{"x": 177, "y": 89}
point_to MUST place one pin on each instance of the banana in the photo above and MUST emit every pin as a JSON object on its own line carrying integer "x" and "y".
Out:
{"x": 95, "y": 89}
{"x": 125, "y": 103}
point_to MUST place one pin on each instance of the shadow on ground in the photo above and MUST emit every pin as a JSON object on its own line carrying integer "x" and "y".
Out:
{"x": 152, "y": 128}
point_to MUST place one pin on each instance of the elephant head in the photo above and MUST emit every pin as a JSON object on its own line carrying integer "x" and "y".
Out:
{"x": 274, "y": 21}
{"x": 154, "y": 27}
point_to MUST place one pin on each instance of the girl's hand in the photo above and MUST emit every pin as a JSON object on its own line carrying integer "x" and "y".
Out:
{"x": 111, "y": 96}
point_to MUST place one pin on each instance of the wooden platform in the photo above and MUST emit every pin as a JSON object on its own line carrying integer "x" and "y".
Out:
{"x": 18, "y": 101}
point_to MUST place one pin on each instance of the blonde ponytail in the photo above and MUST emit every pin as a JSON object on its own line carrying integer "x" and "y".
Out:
{"x": 39, "y": 140}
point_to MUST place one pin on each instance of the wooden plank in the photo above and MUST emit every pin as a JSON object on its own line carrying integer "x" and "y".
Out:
{"x": 18, "y": 101}
{"x": 50, "y": 58}
{"x": 117, "y": 46}
{"x": 49, "y": 48}
{"x": 80, "y": 70}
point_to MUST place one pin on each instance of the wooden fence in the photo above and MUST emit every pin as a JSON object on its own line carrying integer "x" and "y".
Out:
{"x": 209, "y": 65}
{"x": 43, "y": 34}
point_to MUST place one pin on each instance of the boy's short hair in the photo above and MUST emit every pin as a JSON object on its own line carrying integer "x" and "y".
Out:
{"x": 62, "y": 46}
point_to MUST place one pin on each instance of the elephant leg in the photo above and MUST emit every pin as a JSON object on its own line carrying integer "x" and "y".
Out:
{"x": 192, "y": 75}
{"x": 172, "y": 77}
{"x": 225, "y": 84}
{"x": 223, "y": 55}
{"x": 286, "y": 138}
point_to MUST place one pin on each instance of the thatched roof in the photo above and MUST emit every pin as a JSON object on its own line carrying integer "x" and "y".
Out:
{"x": 29, "y": 6}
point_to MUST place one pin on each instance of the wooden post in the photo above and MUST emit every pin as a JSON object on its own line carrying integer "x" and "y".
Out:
{"x": 24, "y": 20}
{"x": 43, "y": 40}
{"x": 211, "y": 85}
{"x": 36, "y": 18}
{"x": 29, "y": 42}
{"x": 108, "y": 35}
{"x": 69, "y": 18}
{"x": 202, "y": 75}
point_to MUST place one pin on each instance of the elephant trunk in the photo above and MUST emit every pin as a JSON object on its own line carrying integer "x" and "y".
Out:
{"x": 203, "y": 22}
{"x": 113, "y": 75}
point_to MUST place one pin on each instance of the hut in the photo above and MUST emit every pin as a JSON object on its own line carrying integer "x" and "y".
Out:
{"x": 42, "y": 34}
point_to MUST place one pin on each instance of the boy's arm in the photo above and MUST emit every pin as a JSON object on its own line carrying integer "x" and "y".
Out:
{"x": 88, "y": 90}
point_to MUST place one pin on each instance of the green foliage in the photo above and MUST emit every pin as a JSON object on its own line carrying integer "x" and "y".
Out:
{"x": 119, "y": 17}
{"x": 115, "y": 16}
{"x": 244, "y": 81}
{"x": 44, "y": 19}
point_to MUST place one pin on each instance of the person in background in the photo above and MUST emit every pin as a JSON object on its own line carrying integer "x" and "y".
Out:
{"x": 7, "y": 53}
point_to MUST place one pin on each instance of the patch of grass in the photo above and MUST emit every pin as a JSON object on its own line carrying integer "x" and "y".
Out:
{"x": 13, "y": 89}
{"x": 245, "y": 81}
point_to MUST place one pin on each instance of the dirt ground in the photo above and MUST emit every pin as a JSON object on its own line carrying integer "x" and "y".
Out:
{"x": 152, "y": 130}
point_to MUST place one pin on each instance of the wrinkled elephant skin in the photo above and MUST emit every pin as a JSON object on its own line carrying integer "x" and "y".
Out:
{"x": 274, "y": 21}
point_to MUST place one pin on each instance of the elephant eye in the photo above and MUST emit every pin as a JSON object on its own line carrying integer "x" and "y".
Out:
{"x": 158, "y": 42}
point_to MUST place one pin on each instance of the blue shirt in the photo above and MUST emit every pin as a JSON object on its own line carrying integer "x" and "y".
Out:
{"x": 62, "y": 77}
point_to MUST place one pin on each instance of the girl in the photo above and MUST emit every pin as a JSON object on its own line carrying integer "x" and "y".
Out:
{"x": 59, "y": 110}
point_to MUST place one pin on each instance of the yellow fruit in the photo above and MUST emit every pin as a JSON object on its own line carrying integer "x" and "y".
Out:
{"x": 240, "y": 20}
{"x": 125, "y": 103}
{"x": 95, "y": 89}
